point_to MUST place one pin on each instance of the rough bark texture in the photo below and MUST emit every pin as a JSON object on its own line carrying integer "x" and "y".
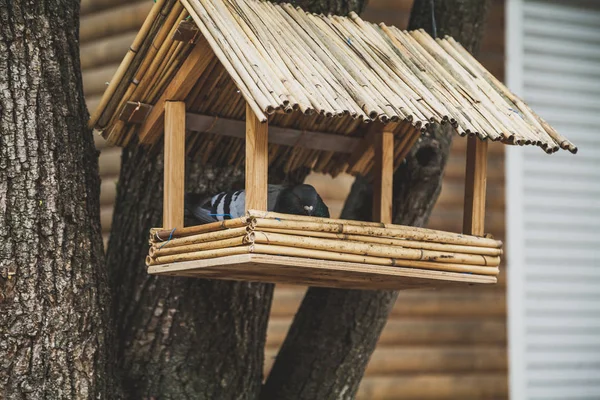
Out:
{"x": 334, "y": 333}
{"x": 179, "y": 338}
{"x": 54, "y": 335}
{"x": 182, "y": 338}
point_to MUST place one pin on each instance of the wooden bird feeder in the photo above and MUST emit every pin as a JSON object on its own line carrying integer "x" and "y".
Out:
{"x": 332, "y": 93}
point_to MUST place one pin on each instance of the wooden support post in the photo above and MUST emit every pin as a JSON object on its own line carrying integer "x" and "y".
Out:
{"x": 174, "y": 181}
{"x": 384, "y": 176}
{"x": 475, "y": 185}
{"x": 257, "y": 161}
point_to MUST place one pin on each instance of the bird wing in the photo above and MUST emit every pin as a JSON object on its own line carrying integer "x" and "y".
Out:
{"x": 238, "y": 206}
{"x": 226, "y": 205}
{"x": 273, "y": 193}
{"x": 200, "y": 209}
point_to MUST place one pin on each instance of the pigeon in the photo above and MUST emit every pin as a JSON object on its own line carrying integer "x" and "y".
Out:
{"x": 300, "y": 200}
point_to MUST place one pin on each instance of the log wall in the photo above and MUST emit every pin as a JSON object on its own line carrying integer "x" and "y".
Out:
{"x": 447, "y": 344}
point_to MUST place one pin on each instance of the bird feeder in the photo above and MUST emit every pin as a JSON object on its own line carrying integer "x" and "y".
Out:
{"x": 220, "y": 79}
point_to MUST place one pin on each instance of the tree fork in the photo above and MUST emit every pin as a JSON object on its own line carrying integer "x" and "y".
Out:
{"x": 335, "y": 331}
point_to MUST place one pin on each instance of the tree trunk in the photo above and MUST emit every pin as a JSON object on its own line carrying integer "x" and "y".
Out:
{"x": 54, "y": 335}
{"x": 179, "y": 338}
{"x": 334, "y": 332}
{"x": 182, "y": 338}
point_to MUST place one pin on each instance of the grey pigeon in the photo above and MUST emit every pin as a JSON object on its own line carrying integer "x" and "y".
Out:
{"x": 300, "y": 200}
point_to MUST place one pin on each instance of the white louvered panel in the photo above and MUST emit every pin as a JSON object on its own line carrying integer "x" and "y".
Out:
{"x": 575, "y": 84}
{"x": 554, "y": 204}
{"x": 540, "y": 325}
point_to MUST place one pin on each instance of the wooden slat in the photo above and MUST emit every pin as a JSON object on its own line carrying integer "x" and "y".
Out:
{"x": 384, "y": 176}
{"x": 475, "y": 186}
{"x": 257, "y": 161}
{"x": 113, "y": 21}
{"x": 450, "y": 220}
{"x": 92, "y": 102}
{"x": 277, "y": 135}
{"x": 435, "y": 387}
{"x": 452, "y": 198}
{"x": 106, "y": 216}
{"x": 177, "y": 90}
{"x": 95, "y": 79}
{"x": 455, "y": 169}
{"x": 488, "y": 303}
{"x": 420, "y": 359}
{"x": 105, "y": 237}
{"x": 108, "y": 191}
{"x": 174, "y": 164}
{"x": 105, "y": 51}
{"x": 415, "y": 359}
{"x": 110, "y": 161}
{"x": 409, "y": 331}
{"x": 307, "y": 271}
{"x": 90, "y": 6}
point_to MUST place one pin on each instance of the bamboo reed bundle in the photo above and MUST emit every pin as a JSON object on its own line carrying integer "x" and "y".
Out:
{"x": 272, "y": 220}
{"x": 159, "y": 251}
{"x": 199, "y": 238}
{"x": 328, "y": 74}
{"x": 276, "y": 220}
{"x": 126, "y": 63}
{"x": 197, "y": 255}
{"x": 162, "y": 235}
{"x": 333, "y": 256}
{"x": 412, "y": 244}
{"x": 279, "y": 250}
{"x": 370, "y": 249}
{"x": 324, "y": 245}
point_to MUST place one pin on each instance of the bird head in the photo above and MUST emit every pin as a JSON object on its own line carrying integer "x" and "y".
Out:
{"x": 302, "y": 200}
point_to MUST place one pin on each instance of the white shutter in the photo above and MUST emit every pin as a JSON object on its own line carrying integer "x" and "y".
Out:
{"x": 553, "y": 205}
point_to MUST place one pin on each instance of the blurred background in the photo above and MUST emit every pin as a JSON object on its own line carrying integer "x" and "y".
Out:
{"x": 534, "y": 335}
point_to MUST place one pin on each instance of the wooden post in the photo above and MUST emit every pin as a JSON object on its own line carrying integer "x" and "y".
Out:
{"x": 475, "y": 185}
{"x": 174, "y": 180}
{"x": 257, "y": 161}
{"x": 384, "y": 175}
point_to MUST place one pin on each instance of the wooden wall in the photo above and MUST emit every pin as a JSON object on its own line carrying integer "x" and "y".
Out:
{"x": 447, "y": 344}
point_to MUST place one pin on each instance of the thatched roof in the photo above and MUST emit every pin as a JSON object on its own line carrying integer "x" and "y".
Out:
{"x": 312, "y": 73}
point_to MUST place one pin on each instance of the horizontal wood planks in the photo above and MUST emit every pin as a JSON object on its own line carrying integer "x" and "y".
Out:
{"x": 296, "y": 270}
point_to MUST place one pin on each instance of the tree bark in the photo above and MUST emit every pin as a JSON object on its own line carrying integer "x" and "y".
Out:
{"x": 182, "y": 338}
{"x": 334, "y": 333}
{"x": 55, "y": 335}
{"x": 179, "y": 338}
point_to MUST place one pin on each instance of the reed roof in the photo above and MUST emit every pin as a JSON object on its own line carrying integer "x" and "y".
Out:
{"x": 313, "y": 73}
